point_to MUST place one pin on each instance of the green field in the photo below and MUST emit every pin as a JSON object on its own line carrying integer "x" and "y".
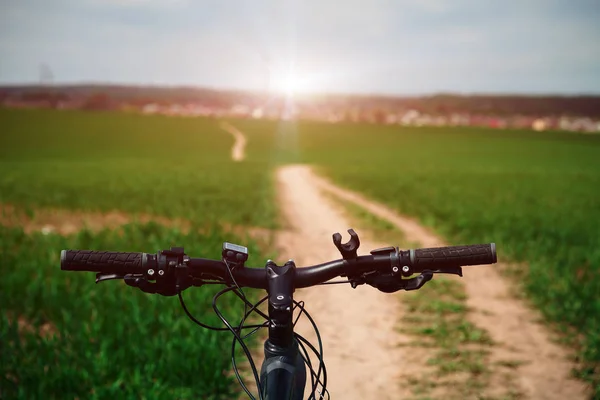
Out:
{"x": 96, "y": 161}
{"x": 64, "y": 337}
{"x": 537, "y": 195}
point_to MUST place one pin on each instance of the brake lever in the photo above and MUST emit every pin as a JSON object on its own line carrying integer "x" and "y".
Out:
{"x": 389, "y": 283}
{"x": 447, "y": 270}
{"x": 100, "y": 277}
{"x": 418, "y": 281}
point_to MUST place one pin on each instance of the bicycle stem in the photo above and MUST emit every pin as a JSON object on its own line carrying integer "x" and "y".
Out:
{"x": 280, "y": 281}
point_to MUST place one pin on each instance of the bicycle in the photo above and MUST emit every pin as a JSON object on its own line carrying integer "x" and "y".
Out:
{"x": 283, "y": 370}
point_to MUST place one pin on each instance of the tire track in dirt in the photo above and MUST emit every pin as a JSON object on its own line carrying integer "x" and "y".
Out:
{"x": 363, "y": 350}
{"x": 542, "y": 369}
{"x": 238, "y": 151}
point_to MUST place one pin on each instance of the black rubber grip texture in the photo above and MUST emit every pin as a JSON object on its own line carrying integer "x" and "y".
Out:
{"x": 101, "y": 261}
{"x": 437, "y": 257}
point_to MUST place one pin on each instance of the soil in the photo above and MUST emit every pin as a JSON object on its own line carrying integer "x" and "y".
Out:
{"x": 238, "y": 151}
{"x": 363, "y": 351}
{"x": 68, "y": 222}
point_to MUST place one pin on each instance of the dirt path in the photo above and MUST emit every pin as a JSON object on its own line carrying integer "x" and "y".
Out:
{"x": 68, "y": 222}
{"x": 238, "y": 151}
{"x": 361, "y": 344}
{"x": 541, "y": 368}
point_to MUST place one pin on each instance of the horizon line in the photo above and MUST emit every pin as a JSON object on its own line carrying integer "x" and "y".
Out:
{"x": 4, "y": 85}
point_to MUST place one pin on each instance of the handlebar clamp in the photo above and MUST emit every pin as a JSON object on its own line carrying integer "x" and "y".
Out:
{"x": 348, "y": 249}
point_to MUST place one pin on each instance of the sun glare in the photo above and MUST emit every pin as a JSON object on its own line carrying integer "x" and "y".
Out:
{"x": 288, "y": 84}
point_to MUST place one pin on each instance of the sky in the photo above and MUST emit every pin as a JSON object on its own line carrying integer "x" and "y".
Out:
{"x": 397, "y": 47}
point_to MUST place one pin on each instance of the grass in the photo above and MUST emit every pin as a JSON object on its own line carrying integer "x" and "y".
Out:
{"x": 370, "y": 225}
{"x": 534, "y": 194}
{"x": 65, "y": 337}
{"x": 173, "y": 167}
{"x": 437, "y": 319}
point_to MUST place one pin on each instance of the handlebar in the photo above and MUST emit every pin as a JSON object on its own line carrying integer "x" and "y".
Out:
{"x": 169, "y": 272}
{"x": 390, "y": 262}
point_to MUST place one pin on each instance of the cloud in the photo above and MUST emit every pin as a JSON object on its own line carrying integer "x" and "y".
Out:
{"x": 351, "y": 45}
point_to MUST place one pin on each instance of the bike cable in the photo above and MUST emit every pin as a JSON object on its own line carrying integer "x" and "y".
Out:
{"x": 237, "y": 337}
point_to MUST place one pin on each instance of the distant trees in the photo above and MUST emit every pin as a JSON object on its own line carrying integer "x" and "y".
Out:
{"x": 509, "y": 105}
{"x": 97, "y": 101}
{"x": 48, "y": 98}
{"x": 102, "y": 97}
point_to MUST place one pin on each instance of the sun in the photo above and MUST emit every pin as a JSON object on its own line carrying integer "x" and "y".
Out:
{"x": 288, "y": 84}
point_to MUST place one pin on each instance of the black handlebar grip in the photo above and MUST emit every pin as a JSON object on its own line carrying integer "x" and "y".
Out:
{"x": 453, "y": 256}
{"x": 103, "y": 261}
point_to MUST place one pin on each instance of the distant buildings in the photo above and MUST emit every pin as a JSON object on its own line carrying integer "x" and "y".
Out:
{"x": 327, "y": 109}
